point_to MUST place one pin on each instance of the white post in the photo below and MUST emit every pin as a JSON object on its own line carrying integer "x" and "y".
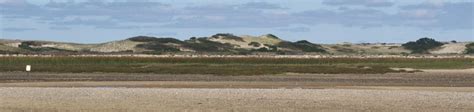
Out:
{"x": 28, "y": 69}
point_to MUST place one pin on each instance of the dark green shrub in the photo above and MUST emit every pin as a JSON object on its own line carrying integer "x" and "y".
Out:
{"x": 422, "y": 45}
{"x": 142, "y": 38}
{"x": 302, "y": 45}
{"x": 470, "y": 48}
{"x": 272, "y": 36}
{"x": 228, "y": 36}
{"x": 202, "y": 44}
{"x": 254, "y": 44}
{"x": 263, "y": 49}
{"x": 154, "y": 39}
{"x": 303, "y": 42}
{"x": 27, "y": 45}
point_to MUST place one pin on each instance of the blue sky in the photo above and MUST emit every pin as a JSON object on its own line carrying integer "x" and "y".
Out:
{"x": 319, "y": 21}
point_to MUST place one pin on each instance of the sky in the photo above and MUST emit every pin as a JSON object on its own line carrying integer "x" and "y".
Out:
{"x": 318, "y": 21}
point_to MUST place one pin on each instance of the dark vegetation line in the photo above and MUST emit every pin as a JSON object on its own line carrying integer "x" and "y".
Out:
{"x": 470, "y": 48}
{"x": 423, "y": 45}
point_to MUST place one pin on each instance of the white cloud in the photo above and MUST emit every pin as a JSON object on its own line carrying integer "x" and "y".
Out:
{"x": 295, "y": 29}
{"x": 133, "y": 14}
{"x": 448, "y": 16}
{"x": 17, "y": 29}
{"x": 436, "y": 3}
{"x": 367, "y": 3}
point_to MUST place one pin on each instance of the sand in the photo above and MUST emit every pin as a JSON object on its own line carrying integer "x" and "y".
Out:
{"x": 431, "y": 90}
{"x": 205, "y": 100}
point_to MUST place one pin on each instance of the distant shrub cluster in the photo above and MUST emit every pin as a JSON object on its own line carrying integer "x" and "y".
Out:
{"x": 157, "y": 44}
{"x": 254, "y": 44}
{"x": 422, "y": 45}
{"x": 302, "y": 45}
{"x": 272, "y": 36}
{"x": 470, "y": 48}
{"x": 228, "y": 36}
{"x": 202, "y": 44}
{"x": 142, "y": 38}
{"x": 154, "y": 39}
{"x": 27, "y": 45}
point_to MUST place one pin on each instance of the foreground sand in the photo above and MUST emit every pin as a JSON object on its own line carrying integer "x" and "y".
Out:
{"x": 162, "y": 99}
{"x": 432, "y": 90}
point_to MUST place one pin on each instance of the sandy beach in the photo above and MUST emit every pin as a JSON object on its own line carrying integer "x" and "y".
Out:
{"x": 432, "y": 90}
{"x": 204, "y": 100}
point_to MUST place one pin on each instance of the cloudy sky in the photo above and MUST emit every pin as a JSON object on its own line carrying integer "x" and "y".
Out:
{"x": 319, "y": 21}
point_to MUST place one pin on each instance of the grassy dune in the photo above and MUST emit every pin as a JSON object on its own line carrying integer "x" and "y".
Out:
{"x": 225, "y": 66}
